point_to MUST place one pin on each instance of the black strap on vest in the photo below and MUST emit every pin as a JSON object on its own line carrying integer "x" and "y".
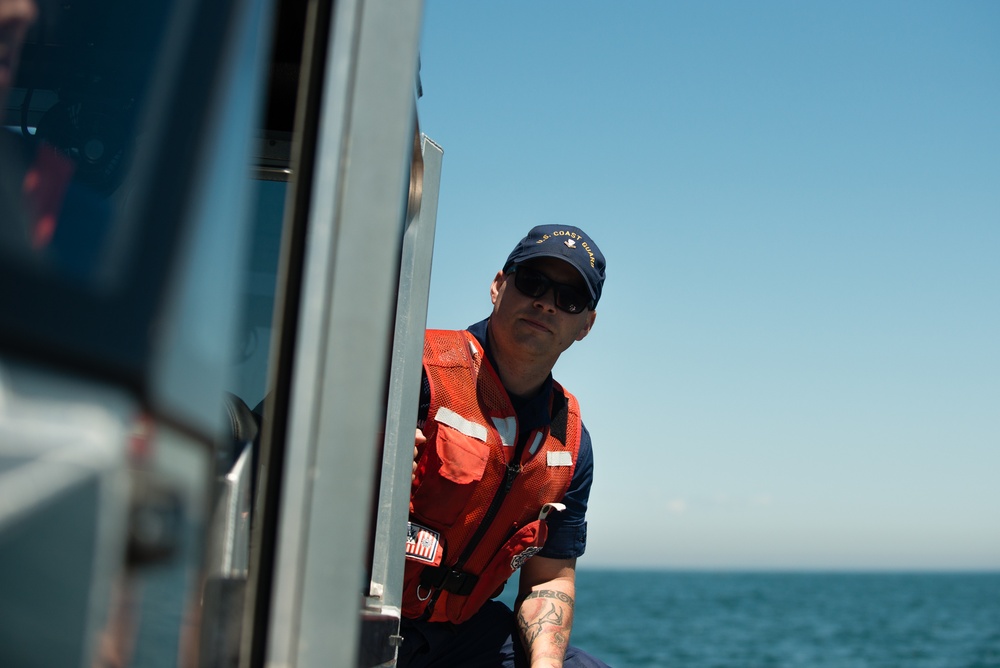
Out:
{"x": 451, "y": 580}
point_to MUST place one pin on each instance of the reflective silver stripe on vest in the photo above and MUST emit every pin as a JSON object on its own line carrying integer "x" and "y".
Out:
{"x": 459, "y": 423}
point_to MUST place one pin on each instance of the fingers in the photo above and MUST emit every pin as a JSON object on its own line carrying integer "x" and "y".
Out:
{"x": 418, "y": 440}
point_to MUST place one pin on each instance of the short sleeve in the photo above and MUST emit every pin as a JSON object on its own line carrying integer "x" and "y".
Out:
{"x": 568, "y": 530}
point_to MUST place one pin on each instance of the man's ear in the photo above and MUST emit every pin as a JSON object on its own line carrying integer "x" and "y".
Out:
{"x": 495, "y": 286}
{"x": 585, "y": 329}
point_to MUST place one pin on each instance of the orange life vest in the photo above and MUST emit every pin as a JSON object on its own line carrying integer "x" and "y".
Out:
{"x": 476, "y": 513}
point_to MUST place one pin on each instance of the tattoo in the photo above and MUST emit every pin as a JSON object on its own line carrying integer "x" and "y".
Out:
{"x": 551, "y": 619}
{"x": 548, "y": 593}
{"x": 532, "y": 630}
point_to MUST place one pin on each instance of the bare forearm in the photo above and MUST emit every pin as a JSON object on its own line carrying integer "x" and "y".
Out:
{"x": 545, "y": 619}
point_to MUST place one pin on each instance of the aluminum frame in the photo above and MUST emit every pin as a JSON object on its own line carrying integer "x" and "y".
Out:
{"x": 385, "y": 590}
{"x": 343, "y": 337}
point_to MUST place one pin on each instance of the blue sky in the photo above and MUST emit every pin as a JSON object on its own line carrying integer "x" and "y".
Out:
{"x": 795, "y": 362}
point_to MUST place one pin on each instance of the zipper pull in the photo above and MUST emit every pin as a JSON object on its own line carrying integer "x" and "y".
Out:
{"x": 512, "y": 470}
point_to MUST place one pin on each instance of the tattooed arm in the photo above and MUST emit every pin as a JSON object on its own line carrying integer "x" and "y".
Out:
{"x": 545, "y": 609}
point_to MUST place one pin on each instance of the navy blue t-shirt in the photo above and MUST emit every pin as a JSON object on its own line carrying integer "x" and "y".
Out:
{"x": 567, "y": 529}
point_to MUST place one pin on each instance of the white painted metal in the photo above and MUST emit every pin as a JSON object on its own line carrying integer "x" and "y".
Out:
{"x": 385, "y": 592}
{"x": 64, "y": 493}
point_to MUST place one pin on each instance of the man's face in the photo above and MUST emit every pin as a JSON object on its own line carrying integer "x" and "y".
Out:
{"x": 16, "y": 17}
{"x": 534, "y": 324}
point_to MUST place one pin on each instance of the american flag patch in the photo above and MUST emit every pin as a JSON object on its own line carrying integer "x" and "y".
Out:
{"x": 423, "y": 544}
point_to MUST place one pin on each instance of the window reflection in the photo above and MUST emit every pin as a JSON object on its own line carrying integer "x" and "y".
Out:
{"x": 16, "y": 18}
{"x": 72, "y": 80}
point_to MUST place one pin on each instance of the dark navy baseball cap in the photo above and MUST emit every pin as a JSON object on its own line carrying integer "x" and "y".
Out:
{"x": 564, "y": 242}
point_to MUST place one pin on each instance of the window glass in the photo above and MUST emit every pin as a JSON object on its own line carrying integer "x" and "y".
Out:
{"x": 255, "y": 331}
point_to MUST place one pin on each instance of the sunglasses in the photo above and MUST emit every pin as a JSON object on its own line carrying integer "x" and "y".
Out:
{"x": 534, "y": 284}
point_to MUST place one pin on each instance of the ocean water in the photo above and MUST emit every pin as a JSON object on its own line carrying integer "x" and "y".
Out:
{"x": 688, "y": 619}
{"x": 643, "y": 619}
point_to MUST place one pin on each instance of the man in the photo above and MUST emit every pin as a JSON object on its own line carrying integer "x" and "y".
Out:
{"x": 503, "y": 469}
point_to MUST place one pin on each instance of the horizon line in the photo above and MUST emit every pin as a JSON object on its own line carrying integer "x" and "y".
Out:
{"x": 874, "y": 570}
